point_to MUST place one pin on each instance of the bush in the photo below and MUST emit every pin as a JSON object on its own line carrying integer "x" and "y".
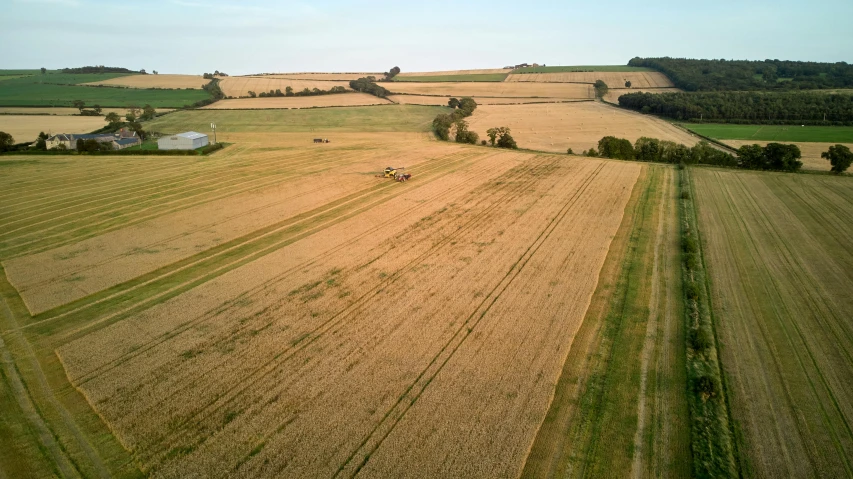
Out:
{"x": 211, "y": 148}
{"x": 691, "y": 290}
{"x": 507, "y": 141}
{"x": 688, "y": 244}
{"x": 685, "y": 195}
{"x": 698, "y": 340}
{"x": 483, "y": 142}
{"x": 570, "y": 152}
{"x": 705, "y": 385}
{"x": 691, "y": 262}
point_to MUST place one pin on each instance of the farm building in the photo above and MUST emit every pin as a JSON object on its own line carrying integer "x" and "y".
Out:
{"x": 189, "y": 140}
{"x": 121, "y": 140}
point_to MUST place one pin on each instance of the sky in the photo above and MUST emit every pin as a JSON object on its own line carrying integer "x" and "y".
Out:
{"x": 257, "y": 36}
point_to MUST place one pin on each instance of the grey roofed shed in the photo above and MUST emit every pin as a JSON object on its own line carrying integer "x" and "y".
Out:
{"x": 189, "y": 140}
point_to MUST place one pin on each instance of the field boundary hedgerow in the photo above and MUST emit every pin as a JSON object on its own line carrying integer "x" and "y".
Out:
{"x": 712, "y": 433}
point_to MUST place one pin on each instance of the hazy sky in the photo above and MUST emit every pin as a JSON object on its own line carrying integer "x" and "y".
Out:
{"x": 194, "y": 36}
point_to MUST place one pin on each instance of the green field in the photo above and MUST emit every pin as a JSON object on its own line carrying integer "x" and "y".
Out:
{"x": 367, "y": 118}
{"x": 583, "y": 68}
{"x": 61, "y": 89}
{"x": 480, "y": 77}
{"x": 793, "y": 133}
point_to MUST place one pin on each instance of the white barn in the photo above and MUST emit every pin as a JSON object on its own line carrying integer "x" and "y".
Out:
{"x": 189, "y": 140}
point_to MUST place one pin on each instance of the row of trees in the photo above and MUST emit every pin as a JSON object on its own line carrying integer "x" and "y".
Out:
{"x": 289, "y": 92}
{"x": 211, "y": 76}
{"x": 368, "y": 85}
{"x": 774, "y": 156}
{"x": 97, "y": 69}
{"x": 710, "y": 75}
{"x": 442, "y": 123}
{"x": 746, "y": 107}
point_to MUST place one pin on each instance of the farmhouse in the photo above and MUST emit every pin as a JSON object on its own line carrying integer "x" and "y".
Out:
{"x": 189, "y": 140}
{"x": 119, "y": 141}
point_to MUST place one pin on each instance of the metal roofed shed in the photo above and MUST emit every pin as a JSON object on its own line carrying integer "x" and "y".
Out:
{"x": 189, "y": 140}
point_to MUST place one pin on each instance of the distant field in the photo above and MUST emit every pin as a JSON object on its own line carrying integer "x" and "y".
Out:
{"x": 792, "y": 133}
{"x": 61, "y": 89}
{"x": 25, "y": 128}
{"x": 498, "y": 89}
{"x": 241, "y": 86}
{"x": 578, "y": 125}
{"x": 344, "y": 76}
{"x": 612, "y": 79}
{"x": 368, "y": 118}
{"x": 780, "y": 267}
{"x": 582, "y": 68}
{"x": 482, "y": 71}
{"x": 442, "y": 100}
{"x": 155, "y": 81}
{"x": 337, "y": 99}
{"x": 484, "y": 77}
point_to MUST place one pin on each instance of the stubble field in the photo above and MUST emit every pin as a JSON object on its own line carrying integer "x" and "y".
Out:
{"x": 343, "y": 76}
{"x": 287, "y": 313}
{"x": 779, "y": 262}
{"x": 25, "y": 128}
{"x": 442, "y": 100}
{"x": 579, "y": 125}
{"x": 495, "y": 89}
{"x": 612, "y": 79}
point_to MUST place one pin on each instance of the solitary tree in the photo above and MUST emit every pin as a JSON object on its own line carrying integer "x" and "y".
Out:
{"x": 113, "y": 118}
{"x": 148, "y": 112}
{"x": 154, "y": 72}
{"x": 79, "y": 104}
{"x": 97, "y": 109}
{"x": 839, "y": 157}
{"x": 628, "y": 84}
{"x": 600, "y": 88}
{"x": 6, "y": 141}
{"x": 43, "y": 70}
{"x": 392, "y": 73}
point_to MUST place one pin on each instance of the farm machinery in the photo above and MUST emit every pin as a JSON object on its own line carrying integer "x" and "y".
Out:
{"x": 391, "y": 172}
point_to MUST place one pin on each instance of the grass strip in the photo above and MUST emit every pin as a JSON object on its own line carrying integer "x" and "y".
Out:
{"x": 711, "y": 436}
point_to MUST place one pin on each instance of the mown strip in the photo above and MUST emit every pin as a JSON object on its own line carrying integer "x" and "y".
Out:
{"x": 712, "y": 438}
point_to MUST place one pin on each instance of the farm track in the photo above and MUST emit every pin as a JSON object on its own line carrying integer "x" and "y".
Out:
{"x": 792, "y": 315}
{"x": 196, "y": 268}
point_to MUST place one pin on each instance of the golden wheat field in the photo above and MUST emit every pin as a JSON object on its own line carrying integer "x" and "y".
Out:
{"x": 305, "y": 329}
{"x": 810, "y": 150}
{"x": 341, "y": 99}
{"x": 241, "y": 86}
{"x": 455, "y": 72}
{"x": 612, "y": 79}
{"x": 578, "y": 125}
{"x": 155, "y": 81}
{"x": 495, "y": 89}
{"x": 442, "y": 100}
{"x": 27, "y": 127}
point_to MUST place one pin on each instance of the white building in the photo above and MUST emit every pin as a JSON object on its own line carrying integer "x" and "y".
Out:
{"x": 182, "y": 141}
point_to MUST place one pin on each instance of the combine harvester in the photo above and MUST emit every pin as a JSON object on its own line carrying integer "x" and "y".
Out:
{"x": 391, "y": 172}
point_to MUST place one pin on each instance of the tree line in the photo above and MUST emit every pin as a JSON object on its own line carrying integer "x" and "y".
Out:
{"x": 289, "y": 92}
{"x": 368, "y": 85}
{"x": 98, "y": 69}
{"x": 746, "y": 107}
{"x": 444, "y": 123}
{"x": 716, "y": 75}
{"x": 774, "y": 156}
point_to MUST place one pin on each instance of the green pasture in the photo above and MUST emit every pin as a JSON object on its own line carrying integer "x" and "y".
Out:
{"x": 792, "y": 133}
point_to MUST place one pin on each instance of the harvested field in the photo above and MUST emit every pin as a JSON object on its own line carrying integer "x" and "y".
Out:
{"x": 323, "y": 76}
{"x": 24, "y": 128}
{"x": 612, "y": 79}
{"x": 632, "y": 336}
{"x": 613, "y": 94}
{"x": 241, "y": 86}
{"x": 492, "y": 89}
{"x": 155, "y": 81}
{"x": 810, "y": 150}
{"x": 62, "y": 111}
{"x": 579, "y": 125}
{"x": 776, "y": 247}
{"x": 442, "y": 100}
{"x": 302, "y": 337}
{"x": 338, "y": 99}
{"x": 484, "y": 71}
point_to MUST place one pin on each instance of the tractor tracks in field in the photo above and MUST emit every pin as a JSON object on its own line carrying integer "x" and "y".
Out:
{"x": 353, "y": 464}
